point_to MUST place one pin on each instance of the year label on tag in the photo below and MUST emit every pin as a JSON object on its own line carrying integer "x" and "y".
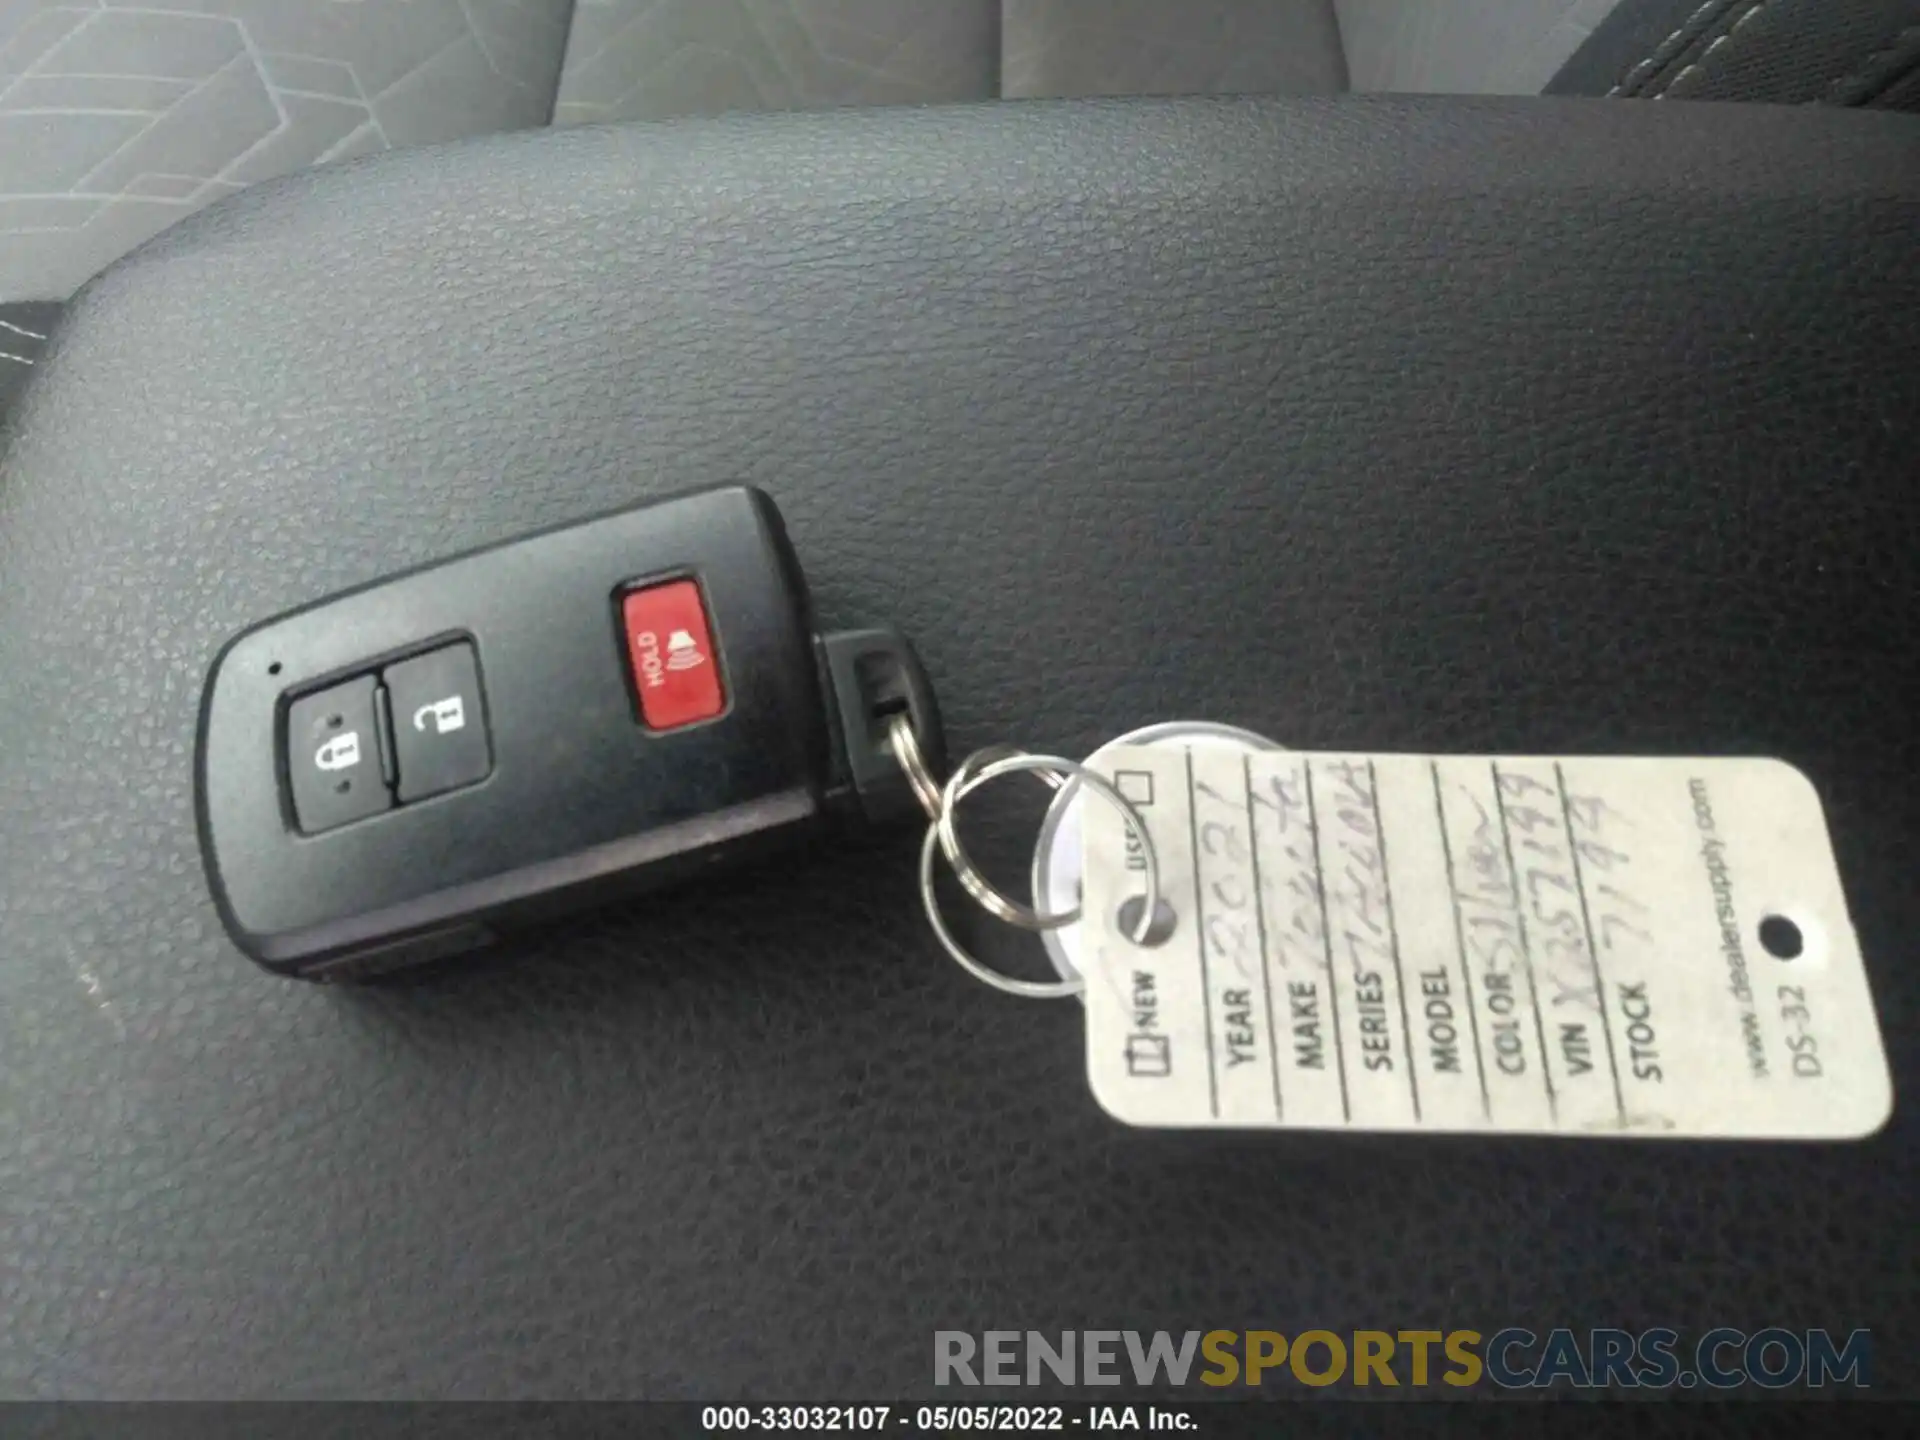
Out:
{"x": 1446, "y": 943}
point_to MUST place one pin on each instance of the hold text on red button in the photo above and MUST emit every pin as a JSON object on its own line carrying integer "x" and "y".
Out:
{"x": 676, "y": 675}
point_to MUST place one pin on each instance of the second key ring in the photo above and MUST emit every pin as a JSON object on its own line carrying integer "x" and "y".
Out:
{"x": 1058, "y": 769}
{"x": 941, "y": 803}
{"x": 974, "y": 773}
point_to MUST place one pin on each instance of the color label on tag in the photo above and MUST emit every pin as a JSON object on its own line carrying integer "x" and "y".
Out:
{"x": 1446, "y": 943}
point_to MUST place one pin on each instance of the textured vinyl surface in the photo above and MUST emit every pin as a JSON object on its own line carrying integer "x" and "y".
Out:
{"x": 1480, "y": 426}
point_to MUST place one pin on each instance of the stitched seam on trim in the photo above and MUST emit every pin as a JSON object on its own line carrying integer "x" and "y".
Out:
{"x": 1633, "y": 75}
{"x": 1836, "y": 91}
{"x": 1751, "y": 11}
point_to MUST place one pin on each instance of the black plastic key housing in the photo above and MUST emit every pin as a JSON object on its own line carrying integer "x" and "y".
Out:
{"x": 534, "y": 786}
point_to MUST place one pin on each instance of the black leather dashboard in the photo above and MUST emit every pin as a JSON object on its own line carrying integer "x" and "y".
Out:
{"x": 1480, "y": 426}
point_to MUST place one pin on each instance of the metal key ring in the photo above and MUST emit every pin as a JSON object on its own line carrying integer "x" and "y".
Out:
{"x": 913, "y": 760}
{"x": 973, "y": 773}
{"x": 940, "y": 802}
{"x": 1099, "y": 785}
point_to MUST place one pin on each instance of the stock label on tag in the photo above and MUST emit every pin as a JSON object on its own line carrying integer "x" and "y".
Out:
{"x": 1446, "y": 943}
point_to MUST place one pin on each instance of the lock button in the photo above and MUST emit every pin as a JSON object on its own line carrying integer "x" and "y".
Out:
{"x": 333, "y": 757}
{"x": 439, "y": 722}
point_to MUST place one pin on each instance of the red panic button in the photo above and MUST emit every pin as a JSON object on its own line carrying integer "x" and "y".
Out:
{"x": 676, "y": 675}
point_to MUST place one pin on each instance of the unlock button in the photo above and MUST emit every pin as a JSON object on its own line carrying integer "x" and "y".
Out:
{"x": 439, "y": 722}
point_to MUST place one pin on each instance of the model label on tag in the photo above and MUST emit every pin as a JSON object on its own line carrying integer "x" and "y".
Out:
{"x": 1400, "y": 942}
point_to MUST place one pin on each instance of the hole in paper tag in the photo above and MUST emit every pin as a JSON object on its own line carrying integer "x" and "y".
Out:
{"x": 1782, "y": 938}
{"x": 1165, "y": 922}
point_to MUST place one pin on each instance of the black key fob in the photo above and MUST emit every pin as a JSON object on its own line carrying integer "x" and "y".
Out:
{"x": 419, "y": 766}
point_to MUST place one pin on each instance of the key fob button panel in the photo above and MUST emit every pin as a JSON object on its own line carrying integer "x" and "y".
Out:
{"x": 334, "y": 768}
{"x": 439, "y": 722}
{"x": 549, "y": 790}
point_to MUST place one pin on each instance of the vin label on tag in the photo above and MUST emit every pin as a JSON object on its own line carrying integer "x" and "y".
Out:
{"x": 1447, "y": 943}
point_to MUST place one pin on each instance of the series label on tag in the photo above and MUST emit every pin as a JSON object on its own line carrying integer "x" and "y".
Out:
{"x": 1446, "y": 943}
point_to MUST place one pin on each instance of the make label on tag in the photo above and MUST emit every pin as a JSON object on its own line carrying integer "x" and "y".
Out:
{"x": 1447, "y": 943}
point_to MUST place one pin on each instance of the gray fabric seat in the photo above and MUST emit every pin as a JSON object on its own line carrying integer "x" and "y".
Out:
{"x": 116, "y": 119}
{"x": 119, "y": 117}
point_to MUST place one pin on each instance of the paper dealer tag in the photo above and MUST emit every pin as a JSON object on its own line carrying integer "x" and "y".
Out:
{"x": 1446, "y": 943}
